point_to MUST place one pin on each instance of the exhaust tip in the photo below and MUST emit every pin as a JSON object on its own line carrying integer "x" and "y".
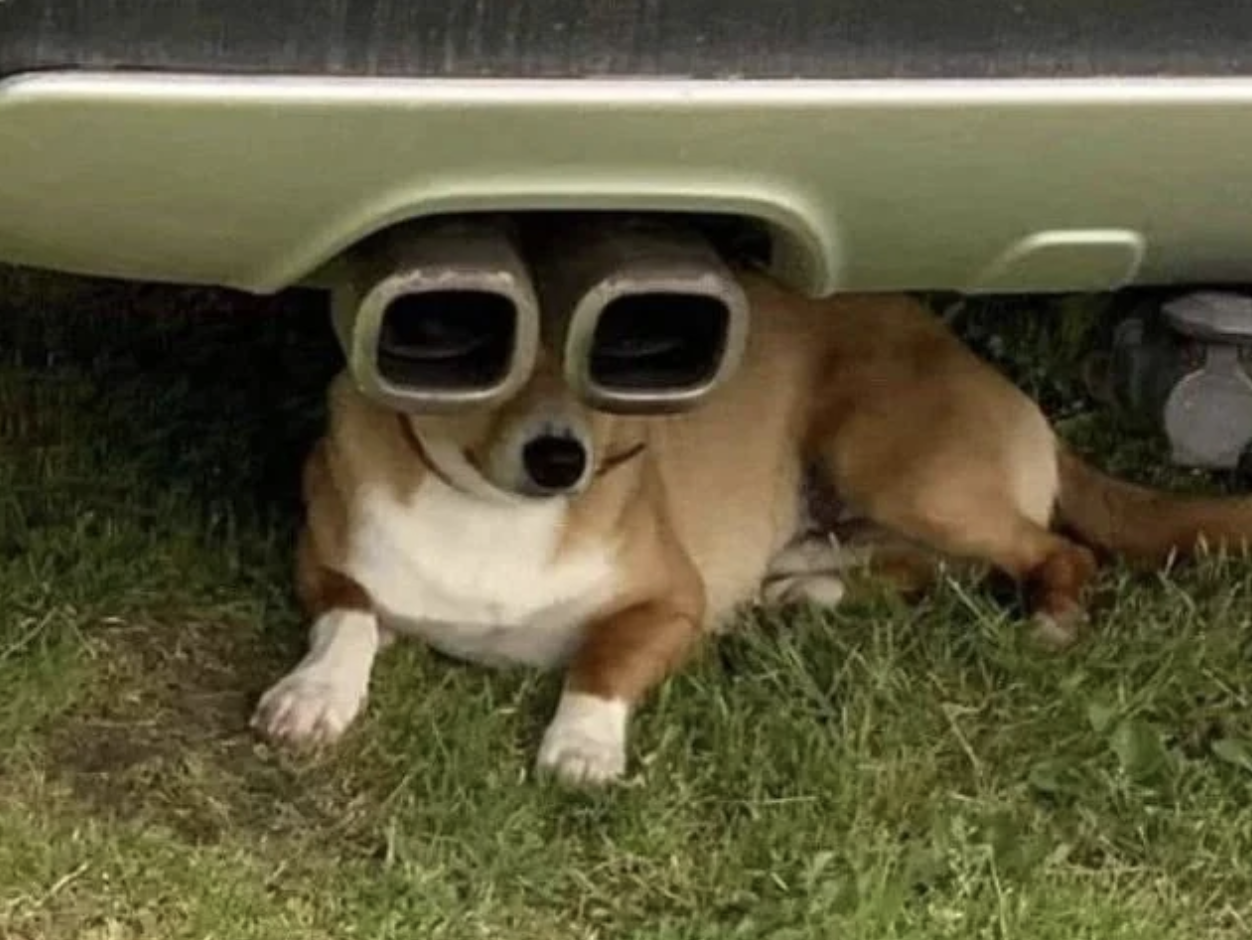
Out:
{"x": 447, "y": 339}
{"x": 658, "y": 342}
{"x": 439, "y": 318}
{"x": 648, "y": 317}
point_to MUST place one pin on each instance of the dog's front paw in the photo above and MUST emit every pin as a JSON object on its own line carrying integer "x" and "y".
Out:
{"x": 308, "y": 708}
{"x": 586, "y": 742}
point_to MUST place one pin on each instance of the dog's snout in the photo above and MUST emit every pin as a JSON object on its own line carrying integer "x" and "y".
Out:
{"x": 554, "y": 462}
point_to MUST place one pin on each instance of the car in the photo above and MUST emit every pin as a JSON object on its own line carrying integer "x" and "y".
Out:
{"x": 975, "y": 146}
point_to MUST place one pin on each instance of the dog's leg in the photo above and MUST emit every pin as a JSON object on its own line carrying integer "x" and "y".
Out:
{"x": 621, "y": 659}
{"x": 316, "y": 701}
{"x": 1054, "y": 570}
{"x": 808, "y": 570}
{"x": 944, "y": 496}
{"x": 825, "y": 570}
{"x": 876, "y": 555}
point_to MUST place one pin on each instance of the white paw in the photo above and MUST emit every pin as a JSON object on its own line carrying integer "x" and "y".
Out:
{"x": 586, "y": 741}
{"x": 308, "y": 708}
{"x": 823, "y": 590}
{"x": 807, "y": 571}
{"x": 1057, "y": 632}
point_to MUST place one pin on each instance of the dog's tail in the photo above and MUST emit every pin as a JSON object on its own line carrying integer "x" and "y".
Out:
{"x": 1143, "y": 525}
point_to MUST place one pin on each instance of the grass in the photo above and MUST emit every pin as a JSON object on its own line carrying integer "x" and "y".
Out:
{"x": 886, "y": 772}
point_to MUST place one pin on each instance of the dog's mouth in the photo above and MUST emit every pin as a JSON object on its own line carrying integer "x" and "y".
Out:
{"x": 464, "y": 469}
{"x": 623, "y": 456}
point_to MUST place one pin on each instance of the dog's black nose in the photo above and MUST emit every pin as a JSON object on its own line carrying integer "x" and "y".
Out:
{"x": 554, "y": 462}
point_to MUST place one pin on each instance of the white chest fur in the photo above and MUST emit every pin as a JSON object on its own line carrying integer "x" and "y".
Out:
{"x": 477, "y": 580}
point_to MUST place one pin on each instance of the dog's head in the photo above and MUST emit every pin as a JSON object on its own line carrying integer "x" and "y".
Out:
{"x": 509, "y": 379}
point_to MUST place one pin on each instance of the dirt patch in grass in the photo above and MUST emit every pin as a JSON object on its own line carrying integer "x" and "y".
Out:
{"x": 163, "y": 734}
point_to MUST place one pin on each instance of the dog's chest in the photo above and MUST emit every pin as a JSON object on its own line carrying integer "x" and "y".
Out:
{"x": 478, "y": 580}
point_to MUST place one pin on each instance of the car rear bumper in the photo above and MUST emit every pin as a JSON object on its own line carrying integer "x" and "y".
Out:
{"x": 258, "y": 181}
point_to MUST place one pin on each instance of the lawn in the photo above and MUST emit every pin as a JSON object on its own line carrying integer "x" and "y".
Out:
{"x": 889, "y": 771}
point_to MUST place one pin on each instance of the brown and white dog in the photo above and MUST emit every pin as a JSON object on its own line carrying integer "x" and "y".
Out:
{"x": 542, "y": 533}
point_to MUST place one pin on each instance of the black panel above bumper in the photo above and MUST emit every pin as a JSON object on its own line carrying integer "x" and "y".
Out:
{"x": 834, "y": 39}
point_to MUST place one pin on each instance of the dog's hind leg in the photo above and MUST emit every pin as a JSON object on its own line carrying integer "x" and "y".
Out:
{"x": 827, "y": 568}
{"x": 808, "y": 570}
{"x": 963, "y": 504}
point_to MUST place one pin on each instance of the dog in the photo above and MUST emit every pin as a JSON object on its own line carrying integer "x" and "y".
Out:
{"x": 545, "y": 534}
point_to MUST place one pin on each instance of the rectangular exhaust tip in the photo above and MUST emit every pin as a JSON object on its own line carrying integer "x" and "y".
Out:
{"x": 439, "y": 317}
{"x": 647, "y": 316}
{"x": 658, "y": 342}
{"x": 450, "y": 340}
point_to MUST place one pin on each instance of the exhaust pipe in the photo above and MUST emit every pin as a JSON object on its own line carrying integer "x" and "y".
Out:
{"x": 438, "y": 317}
{"x": 645, "y": 316}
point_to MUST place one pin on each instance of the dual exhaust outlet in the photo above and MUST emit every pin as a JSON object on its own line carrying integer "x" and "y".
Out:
{"x": 644, "y": 316}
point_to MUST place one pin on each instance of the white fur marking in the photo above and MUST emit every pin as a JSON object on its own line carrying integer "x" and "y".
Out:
{"x": 451, "y": 461}
{"x": 586, "y": 740}
{"x": 316, "y": 701}
{"x": 821, "y": 590}
{"x": 478, "y": 580}
{"x": 806, "y": 571}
